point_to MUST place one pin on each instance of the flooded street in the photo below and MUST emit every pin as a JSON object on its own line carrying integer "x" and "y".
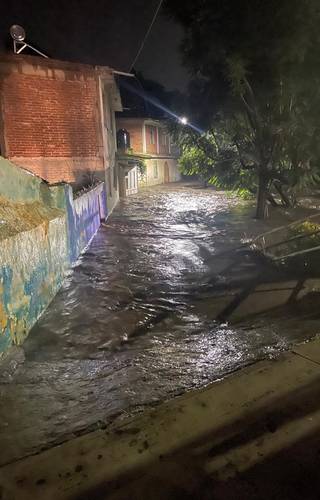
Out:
{"x": 127, "y": 330}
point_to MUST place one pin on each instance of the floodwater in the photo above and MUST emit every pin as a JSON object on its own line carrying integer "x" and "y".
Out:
{"x": 125, "y": 331}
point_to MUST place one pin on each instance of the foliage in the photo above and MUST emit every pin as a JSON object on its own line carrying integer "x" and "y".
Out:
{"x": 257, "y": 77}
{"x": 302, "y": 236}
{"x": 140, "y": 162}
{"x": 89, "y": 181}
{"x": 213, "y": 159}
{"x": 142, "y": 167}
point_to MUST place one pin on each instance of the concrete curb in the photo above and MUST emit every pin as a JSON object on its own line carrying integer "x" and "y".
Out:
{"x": 223, "y": 420}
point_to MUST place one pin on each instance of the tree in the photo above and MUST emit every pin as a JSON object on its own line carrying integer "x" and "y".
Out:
{"x": 250, "y": 60}
{"x": 213, "y": 158}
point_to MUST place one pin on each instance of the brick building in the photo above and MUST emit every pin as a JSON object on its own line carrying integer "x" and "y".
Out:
{"x": 150, "y": 141}
{"x": 58, "y": 120}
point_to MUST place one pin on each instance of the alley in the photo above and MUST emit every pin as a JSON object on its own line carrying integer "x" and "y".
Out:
{"x": 125, "y": 332}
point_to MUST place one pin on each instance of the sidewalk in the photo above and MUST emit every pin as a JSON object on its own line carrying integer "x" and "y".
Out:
{"x": 255, "y": 434}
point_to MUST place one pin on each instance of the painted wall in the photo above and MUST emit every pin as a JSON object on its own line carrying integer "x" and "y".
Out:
{"x": 18, "y": 184}
{"x": 42, "y": 233}
{"x": 32, "y": 267}
{"x": 149, "y": 179}
{"x": 174, "y": 172}
{"x": 83, "y": 215}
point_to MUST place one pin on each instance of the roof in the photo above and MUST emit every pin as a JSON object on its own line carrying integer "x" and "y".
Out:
{"x": 38, "y": 61}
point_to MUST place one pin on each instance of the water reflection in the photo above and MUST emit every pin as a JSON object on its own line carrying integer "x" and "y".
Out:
{"x": 126, "y": 331}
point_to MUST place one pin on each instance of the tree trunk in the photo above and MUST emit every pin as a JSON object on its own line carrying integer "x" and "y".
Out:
{"x": 271, "y": 199}
{"x": 261, "y": 212}
{"x": 284, "y": 197}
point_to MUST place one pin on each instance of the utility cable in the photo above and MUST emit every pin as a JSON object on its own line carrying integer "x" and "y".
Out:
{"x": 146, "y": 35}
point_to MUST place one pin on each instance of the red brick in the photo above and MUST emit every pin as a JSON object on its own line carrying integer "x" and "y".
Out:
{"x": 50, "y": 118}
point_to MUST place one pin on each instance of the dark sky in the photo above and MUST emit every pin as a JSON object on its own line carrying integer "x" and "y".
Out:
{"x": 160, "y": 59}
{"x": 106, "y": 32}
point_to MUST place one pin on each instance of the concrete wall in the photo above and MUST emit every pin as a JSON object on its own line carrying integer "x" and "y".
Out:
{"x": 18, "y": 184}
{"x": 113, "y": 193}
{"x": 110, "y": 147}
{"x": 43, "y": 230}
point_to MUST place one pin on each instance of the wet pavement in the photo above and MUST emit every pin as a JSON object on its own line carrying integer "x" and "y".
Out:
{"x": 125, "y": 331}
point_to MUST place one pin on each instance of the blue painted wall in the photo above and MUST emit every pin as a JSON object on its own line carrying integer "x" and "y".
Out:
{"x": 33, "y": 262}
{"x": 83, "y": 215}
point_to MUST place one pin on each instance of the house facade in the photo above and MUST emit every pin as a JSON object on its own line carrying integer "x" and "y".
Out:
{"x": 57, "y": 120}
{"x": 150, "y": 141}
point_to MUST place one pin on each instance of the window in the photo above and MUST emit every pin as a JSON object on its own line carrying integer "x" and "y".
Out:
{"x": 163, "y": 138}
{"x": 155, "y": 169}
{"x": 152, "y": 135}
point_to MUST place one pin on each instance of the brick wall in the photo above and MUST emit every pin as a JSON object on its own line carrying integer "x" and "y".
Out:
{"x": 134, "y": 127}
{"x": 51, "y": 120}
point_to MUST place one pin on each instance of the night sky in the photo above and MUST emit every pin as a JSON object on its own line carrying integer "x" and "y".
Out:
{"x": 100, "y": 32}
{"x": 160, "y": 59}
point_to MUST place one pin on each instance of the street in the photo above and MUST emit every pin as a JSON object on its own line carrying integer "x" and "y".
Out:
{"x": 125, "y": 331}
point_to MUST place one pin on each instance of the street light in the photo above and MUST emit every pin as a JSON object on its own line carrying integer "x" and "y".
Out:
{"x": 184, "y": 120}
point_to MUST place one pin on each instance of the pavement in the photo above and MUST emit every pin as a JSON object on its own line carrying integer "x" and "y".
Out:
{"x": 253, "y": 435}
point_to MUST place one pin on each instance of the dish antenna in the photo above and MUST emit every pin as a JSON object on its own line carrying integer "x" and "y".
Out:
{"x": 18, "y": 35}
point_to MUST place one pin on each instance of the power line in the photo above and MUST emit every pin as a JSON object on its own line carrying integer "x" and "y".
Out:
{"x": 146, "y": 35}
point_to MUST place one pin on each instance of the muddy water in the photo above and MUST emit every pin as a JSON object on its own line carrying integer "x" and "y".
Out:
{"x": 125, "y": 332}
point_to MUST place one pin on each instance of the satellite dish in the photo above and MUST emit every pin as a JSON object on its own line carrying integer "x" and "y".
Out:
{"x": 17, "y": 33}
{"x": 18, "y": 36}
